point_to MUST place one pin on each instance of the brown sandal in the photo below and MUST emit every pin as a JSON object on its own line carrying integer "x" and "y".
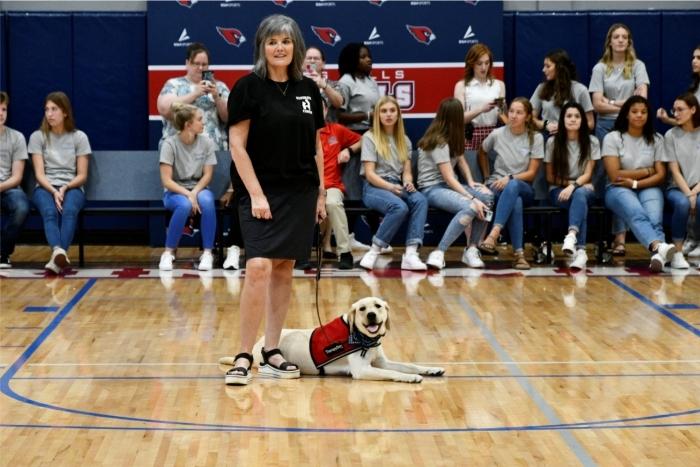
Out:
{"x": 487, "y": 248}
{"x": 618, "y": 249}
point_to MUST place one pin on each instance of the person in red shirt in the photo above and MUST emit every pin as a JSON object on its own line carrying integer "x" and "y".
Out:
{"x": 338, "y": 143}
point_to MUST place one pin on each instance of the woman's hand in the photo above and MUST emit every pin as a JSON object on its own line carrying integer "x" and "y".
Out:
{"x": 409, "y": 187}
{"x": 58, "y": 197}
{"x": 661, "y": 113}
{"x": 479, "y": 207}
{"x": 320, "y": 207}
{"x": 624, "y": 182}
{"x": 693, "y": 200}
{"x": 192, "y": 196}
{"x": 501, "y": 183}
{"x": 487, "y": 107}
{"x": 552, "y": 128}
{"x": 343, "y": 156}
{"x": 259, "y": 207}
{"x": 566, "y": 193}
{"x": 396, "y": 189}
{"x": 480, "y": 187}
{"x": 226, "y": 198}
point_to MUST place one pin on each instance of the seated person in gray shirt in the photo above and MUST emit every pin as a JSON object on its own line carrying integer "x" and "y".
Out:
{"x": 15, "y": 206}
{"x": 187, "y": 161}
{"x": 60, "y": 156}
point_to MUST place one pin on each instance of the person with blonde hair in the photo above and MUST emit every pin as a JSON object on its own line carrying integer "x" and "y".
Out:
{"x": 388, "y": 185}
{"x": 14, "y": 203}
{"x": 60, "y": 156}
{"x": 187, "y": 161}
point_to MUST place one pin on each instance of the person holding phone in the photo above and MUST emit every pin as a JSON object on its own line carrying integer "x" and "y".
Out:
{"x": 388, "y": 185}
{"x": 199, "y": 88}
{"x": 314, "y": 68}
{"x": 440, "y": 150}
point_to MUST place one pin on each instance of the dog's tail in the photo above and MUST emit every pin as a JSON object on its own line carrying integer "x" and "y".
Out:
{"x": 227, "y": 361}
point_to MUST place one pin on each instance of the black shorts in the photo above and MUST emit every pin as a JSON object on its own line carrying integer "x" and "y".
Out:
{"x": 289, "y": 234}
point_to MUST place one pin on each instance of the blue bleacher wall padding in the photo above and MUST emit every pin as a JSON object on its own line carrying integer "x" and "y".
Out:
{"x": 677, "y": 52}
{"x": 3, "y": 51}
{"x": 109, "y": 79}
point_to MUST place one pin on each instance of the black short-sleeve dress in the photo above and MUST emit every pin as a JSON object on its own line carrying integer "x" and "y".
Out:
{"x": 284, "y": 118}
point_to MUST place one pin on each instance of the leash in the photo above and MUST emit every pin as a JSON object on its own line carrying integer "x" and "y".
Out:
{"x": 319, "y": 260}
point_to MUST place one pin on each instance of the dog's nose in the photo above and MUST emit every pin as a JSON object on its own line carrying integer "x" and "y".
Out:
{"x": 371, "y": 317}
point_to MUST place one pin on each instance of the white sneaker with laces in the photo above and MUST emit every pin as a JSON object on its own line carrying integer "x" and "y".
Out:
{"x": 206, "y": 261}
{"x": 412, "y": 262}
{"x": 663, "y": 252}
{"x": 580, "y": 260}
{"x": 51, "y": 265}
{"x": 233, "y": 257}
{"x": 357, "y": 245}
{"x": 436, "y": 259}
{"x": 472, "y": 258}
{"x": 166, "y": 261}
{"x": 690, "y": 245}
{"x": 569, "y": 246}
{"x": 369, "y": 259}
{"x": 678, "y": 261}
{"x": 694, "y": 253}
{"x": 387, "y": 250}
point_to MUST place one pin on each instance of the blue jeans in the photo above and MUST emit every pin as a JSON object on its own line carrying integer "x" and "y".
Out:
{"x": 395, "y": 210}
{"x": 577, "y": 204}
{"x": 15, "y": 207}
{"x": 509, "y": 209}
{"x": 73, "y": 201}
{"x": 181, "y": 208}
{"x": 443, "y": 197}
{"x": 641, "y": 210}
{"x": 681, "y": 213}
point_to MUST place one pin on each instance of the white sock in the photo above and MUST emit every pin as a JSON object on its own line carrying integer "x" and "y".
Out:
{"x": 411, "y": 249}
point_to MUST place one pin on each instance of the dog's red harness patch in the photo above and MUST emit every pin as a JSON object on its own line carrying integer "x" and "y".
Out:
{"x": 331, "y": 343}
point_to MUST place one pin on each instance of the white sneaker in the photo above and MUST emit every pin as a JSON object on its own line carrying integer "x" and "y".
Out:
{"x": 387, "y": 250}
{"x": 357, "y": 245}
{"x": 436, "y": 259}
{"x": 694, "y": 253}
{"x": 166, "y": 261}
{"x": 51, "y": 266}
{"x": 412, "y": 262}
{"x": 689, "y": 246}
{"x": 658, "y": 259}
{"x": 60, "y": 257}
{"x": 233, "y": 257}
{"x": 569, "y": 246}
{"x": 206, "y": 261}
{"x": 369, "y": 259}
{"x": 678, "y": 261}
{"x": 580, "y": 260}
{"x": 472, "y": 258}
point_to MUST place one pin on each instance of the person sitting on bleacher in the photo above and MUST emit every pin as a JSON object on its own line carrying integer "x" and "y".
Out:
{"x": 388, "y": 185}
{"x": 633, "y": 154}
{"x": 570, "y": 156}
{"x": 187, "y": 161}
{"x": 519, "y": 151}
{"x": 15, "y": 205}
{"x": 60, "y": 156}
{"x": 441, "y": 149}
{"x": 682, "y": 151}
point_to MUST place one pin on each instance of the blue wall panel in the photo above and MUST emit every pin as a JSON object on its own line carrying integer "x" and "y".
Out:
{"x": 109, "y": 82}
{"x": 677, "y": 53}
{"x": 536, "y": 35}
{"x": 3, "y": 51}
{"x": 509, "y": 54}
{"x": 39, "y": 60}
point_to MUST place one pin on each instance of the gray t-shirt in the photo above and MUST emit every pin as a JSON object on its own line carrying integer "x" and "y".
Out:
{"x": 359, "y": 95}
{"x": 391, "y": 168}
{"x": 428, "y": 171}
{"x": 188, "y": 160}
{"x": 615, "y": 85}
{"x": 634, "y": 151}
{"x": 574, "y": 153}
{"x": 551, "y": 111}
{"x": 13, "y": 147}
{"x": 513, "y": 152}
{"x": 60, "y": 153}
{"x": 684, "y": 147}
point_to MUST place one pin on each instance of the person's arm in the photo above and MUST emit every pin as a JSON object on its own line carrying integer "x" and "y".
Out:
{"x": 321, "y": 201}
{"x": 407, "y": 176}
{"x": 81, "y": 173}
{"x": 662, "y": 115}
{"x": 641, "y": 90}
{"x": 166, "y": 178}
{"x": 483, "y": 160}
{"x": 221, "y": 101}
{"x": 679, "y": 179}
{"x": 531, "y": 172}
{"x": 168, "y": 97}
{"x": 605, "y": 106}
{"x": 377, "y": 181}
{"x": 471, "y": 114}
{"x": 551, "y": 178}
{"x": 40, "y": 173}
{"x": 587, "y": 174}
{"x": 207, "y": 173}
{"x": 334, "y": 97}
{"x": 590, "y": 119}
{"x": 15, "y": 177}
{"x": 238, "y": 138}
{"x": 448, "y": 175}
{"x": 354, "y": 117}
{"x": 466, "y": 171}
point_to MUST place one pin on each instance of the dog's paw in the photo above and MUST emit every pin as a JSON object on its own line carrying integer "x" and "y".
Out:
{"x": 410, "y": 379}
{"x": 433, "y": 371}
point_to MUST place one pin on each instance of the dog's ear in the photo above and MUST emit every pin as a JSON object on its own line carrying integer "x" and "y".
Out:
{"x": 351, "y": 317}
{"x": 386, "y": 305}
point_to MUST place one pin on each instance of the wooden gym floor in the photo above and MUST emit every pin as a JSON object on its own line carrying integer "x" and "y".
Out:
{"x": 116, "y": 365}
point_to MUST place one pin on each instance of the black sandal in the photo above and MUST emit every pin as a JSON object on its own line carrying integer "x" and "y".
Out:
{"x": 240, "y": 376}
{"x": 286, "y": 370}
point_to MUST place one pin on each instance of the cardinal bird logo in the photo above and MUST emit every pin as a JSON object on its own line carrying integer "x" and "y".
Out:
{"x": 282, "y": 3}
{"x": 422, "y": 34}
{"x": 187, "y": 3}
{"x": 327, "y": 35}
{"x": 232, "y": 36}
{"x": 376, "y": 2}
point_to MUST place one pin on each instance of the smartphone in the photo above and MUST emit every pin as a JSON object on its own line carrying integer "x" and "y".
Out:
{"x": 499, "y": 101}
{"x": 488, "y": 215}
{"x": 208, "y": 75}
{"x": 313, "y": 66}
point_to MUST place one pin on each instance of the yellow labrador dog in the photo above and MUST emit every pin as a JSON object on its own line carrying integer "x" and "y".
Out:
{"x": 348, "y": 345}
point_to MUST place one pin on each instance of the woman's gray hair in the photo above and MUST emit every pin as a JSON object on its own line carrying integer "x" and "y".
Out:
{"x": 279, "y": 24}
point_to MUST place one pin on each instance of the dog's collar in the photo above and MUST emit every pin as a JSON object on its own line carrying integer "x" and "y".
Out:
{"x": 357, "y": 338}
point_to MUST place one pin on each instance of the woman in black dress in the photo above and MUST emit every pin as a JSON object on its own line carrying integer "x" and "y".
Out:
{"x": 275, "y": 114}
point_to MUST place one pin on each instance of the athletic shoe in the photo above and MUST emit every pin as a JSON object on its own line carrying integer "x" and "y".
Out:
{"x": 412, "y": 262}
{"x": 580, "y": 260}
{"x": 346, "y": 261}
{"x": 472, "y": 258}
{"x": 233, "y": 257}
{"x": 166, "y": 261}
{"x": 206, "y": 261}
{"x": 51, "y": 265}
{"x": 369, "y": 259}
{"x": 678, "y": 261}
{"x": 357, "y": 245}
{"x": 60, "y": 257}
{"x": 694, "y": 253}
{"x": 5, "y": 262}
{"x": 436, "y": 259}
{"x": 569, "y": 246}
{"x": 690, "y": 245}
{"x": 387, "y": 250}
{"x": 658, "y": 259}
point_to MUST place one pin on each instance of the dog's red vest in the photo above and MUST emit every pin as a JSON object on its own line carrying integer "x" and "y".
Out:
{"x": 331, "y": 343}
